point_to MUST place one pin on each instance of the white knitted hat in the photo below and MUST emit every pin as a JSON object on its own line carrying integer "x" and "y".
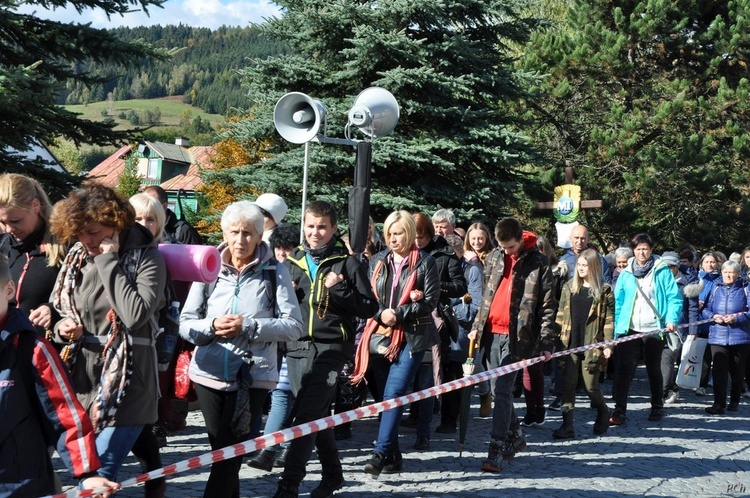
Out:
{"x": 274, "y": 205}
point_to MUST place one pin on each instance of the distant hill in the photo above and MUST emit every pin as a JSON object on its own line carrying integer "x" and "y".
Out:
{"x": 204, "y": 73}
{"x": 172, "y": 112}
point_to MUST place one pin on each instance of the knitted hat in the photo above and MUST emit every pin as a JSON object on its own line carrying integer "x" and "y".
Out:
{"x": 671, "y": 258}
{"x": 273, "y": 205}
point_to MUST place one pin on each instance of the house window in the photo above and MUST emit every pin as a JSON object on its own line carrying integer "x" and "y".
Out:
{"x": 153, "y": 168}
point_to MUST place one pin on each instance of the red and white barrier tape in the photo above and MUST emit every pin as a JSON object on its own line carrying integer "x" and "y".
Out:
{"x": 298, "y": 431}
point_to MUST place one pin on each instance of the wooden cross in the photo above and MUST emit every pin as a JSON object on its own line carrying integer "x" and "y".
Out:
{"x": 593, "y": 204}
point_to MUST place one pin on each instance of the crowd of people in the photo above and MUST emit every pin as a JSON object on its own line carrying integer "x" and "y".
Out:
{"x": 289, "y": 331}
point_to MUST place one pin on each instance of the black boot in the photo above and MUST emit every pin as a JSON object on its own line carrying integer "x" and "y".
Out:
{"x": 263, "y": 460}
{"x": 280, "y": 459}
{"x": 331, "y": 482}
{"x": 287, "y": 490}
{"x": 601, "y": 425}
{"x": 565, "y": 431}
{"x": 374, "y": 465}
{"x": 393, "y": 462}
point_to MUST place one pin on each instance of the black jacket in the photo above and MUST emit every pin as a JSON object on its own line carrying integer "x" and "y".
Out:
{"x": 329, "y": 314}
{"x": 29, "y": 269}
{"x": 452, "y": 281}
{"x": 180, "y": 231}
{"x": 419, "y": 326}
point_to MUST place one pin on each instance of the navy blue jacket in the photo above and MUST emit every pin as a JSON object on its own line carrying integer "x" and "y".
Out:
{"x": 39, "y": 415}
{"x": 466, "y": 312}
{"x": 690, "y": 312}
{"x": 699, "y": 296}
{"x": 726, "y": 300}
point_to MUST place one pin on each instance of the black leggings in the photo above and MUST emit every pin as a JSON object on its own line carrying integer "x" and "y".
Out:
{"x": 728, "y": 361}
{"x": 218, "y": 409}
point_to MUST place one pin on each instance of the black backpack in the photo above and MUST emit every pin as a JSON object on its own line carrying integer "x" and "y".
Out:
{"x": 169, "y": 325}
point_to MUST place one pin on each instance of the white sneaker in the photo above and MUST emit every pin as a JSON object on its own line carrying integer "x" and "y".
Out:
{"x": 701, "y": 391}
{"x": 672, "y": 398}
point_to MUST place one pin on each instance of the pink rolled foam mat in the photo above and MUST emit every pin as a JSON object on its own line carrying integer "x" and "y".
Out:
{"x": 191, "y": 263}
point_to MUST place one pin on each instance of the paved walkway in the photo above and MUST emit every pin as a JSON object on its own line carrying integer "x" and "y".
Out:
{"x": 687, "y": 454}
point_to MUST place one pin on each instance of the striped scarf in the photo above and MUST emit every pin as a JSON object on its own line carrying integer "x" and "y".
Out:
{"x": 362, "y": 358}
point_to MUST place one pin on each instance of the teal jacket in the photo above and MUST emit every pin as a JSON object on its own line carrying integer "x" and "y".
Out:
{"x": 667, "y": 298}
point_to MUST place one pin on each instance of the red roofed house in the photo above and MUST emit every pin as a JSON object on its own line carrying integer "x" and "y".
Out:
{"x": 171, "y": 166}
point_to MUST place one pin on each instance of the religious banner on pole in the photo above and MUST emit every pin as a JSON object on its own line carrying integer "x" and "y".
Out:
{"x": 567, "y": 203}
{"x": 566, "y": 208}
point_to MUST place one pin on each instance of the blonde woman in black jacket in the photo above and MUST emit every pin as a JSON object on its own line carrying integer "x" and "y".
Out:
{"x": 407, "y": 285}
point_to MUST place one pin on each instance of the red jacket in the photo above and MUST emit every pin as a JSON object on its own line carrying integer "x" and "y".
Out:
{"x": 532, "y": 303}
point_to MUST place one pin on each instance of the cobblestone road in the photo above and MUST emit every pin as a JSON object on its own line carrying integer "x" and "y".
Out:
{"x": 687, "y": 454}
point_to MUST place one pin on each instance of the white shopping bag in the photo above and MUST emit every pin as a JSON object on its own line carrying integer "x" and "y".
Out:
{"x": 689, "y": 374}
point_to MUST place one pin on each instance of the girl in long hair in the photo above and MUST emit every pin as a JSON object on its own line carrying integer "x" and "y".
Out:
{"x": 586, "y": 316}
{"x": 478, "y": 243}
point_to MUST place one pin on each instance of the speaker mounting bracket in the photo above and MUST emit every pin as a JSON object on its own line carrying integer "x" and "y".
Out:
{"x": 336, "y": 141}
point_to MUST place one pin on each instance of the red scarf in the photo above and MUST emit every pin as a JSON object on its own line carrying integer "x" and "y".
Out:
{"x": 362, "y": 358}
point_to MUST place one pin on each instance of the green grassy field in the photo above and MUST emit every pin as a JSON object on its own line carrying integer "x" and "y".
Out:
{"x": 171, "y": 109}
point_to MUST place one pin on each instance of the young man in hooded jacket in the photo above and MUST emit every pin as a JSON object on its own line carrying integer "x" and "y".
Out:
{"x": 514, "y": 322}
{"x": 333, "y": 290}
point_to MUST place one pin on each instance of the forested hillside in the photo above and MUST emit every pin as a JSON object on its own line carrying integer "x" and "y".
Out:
{"x": 204, "y": 71}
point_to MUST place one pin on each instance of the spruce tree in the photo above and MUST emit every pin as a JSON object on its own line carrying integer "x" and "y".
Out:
{"x": 449, "y": 66}
{"x": 37, "y": 58}
{"x": 648, "y": 101}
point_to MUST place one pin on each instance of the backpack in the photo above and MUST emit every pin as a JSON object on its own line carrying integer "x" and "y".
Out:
{"x": 168, "y": 327}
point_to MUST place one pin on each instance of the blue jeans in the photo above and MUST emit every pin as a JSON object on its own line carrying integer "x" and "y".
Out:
{"x": 113, "y": 444}
{"x": 424, "y": 380}
{"x": 400, "y": 379}
{"x": 497, "y": 354}
{"x": 281, "y": 407}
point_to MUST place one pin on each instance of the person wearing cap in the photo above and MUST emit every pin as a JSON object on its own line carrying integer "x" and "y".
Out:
{"x": 274, "y": 209}
{"x": 671, "y": 356}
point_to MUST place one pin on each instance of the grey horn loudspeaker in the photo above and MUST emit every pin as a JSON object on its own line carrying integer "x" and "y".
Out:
{"x": 298, "y": 117}
{"x": 375, "y": 112}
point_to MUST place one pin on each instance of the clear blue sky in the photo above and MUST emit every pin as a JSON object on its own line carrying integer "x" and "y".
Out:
{"x": 203, "y": 13}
